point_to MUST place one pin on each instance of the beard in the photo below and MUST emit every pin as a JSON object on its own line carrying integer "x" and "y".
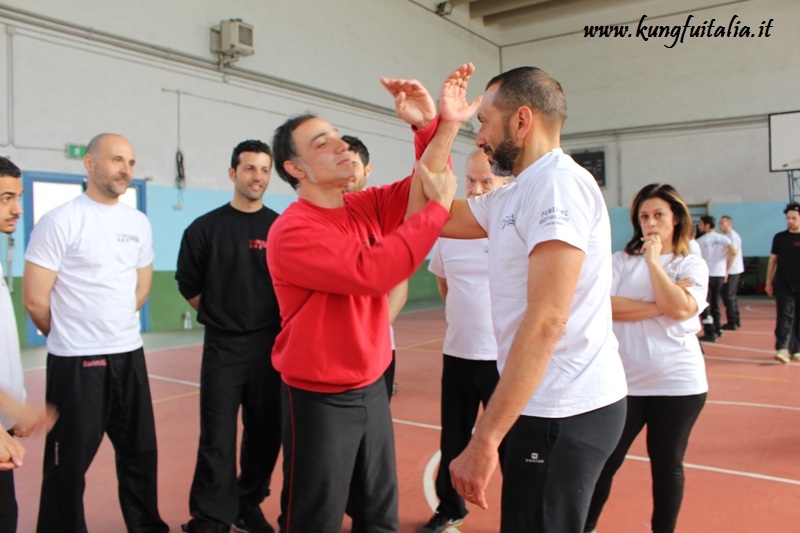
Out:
{"x": 504, "y": 157}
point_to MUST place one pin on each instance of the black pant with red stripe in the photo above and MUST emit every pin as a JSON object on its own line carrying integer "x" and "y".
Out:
{"x": 96, "y": 395}
{"x": 335, "y": 445}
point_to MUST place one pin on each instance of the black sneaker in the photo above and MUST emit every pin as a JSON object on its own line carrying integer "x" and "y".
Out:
{"x": 252, "y": 521}
{"x": 708, "y": 338}
{"x": 193, "y": 526}
{"x": 729, "y": 327}
{"x": 440, "y": 523}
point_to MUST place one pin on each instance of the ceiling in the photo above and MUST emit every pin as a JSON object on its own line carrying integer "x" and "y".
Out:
{"x": 509, "y": 22}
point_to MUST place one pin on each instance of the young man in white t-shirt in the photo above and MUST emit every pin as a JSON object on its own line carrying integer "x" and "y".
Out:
{"x": 88, "y": 270}
{"x": 731, "y": 287}
{"x": 469, "y": 363}
{"x": 550, "y": 277}
{"x": 16, "y": 418}
{"x": 719, "y": 255}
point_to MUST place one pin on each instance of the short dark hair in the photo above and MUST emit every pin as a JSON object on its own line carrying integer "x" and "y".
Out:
{"x": 355, "y": 145}
{"x": 9, "y": 169}
{"x": 708, "y": 220}
{"x": 251, "y": 145}
{"x": 684, "y": 226}
{"x": 534, "y": 88}
{"x": 793, "y": 206}
{"x": 284, "y": 148}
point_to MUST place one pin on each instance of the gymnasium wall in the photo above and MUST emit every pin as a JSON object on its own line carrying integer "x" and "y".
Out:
{"x": 694, "y": 115}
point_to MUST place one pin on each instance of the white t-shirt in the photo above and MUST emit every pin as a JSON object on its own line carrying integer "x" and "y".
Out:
{"x": 694, "y": 248}
{"x": 11, "y": 379}
{"x": 738, "y": 263}
{"x": 662, "y": 356}
{"x": 96, "y": 250}
{"x": 465, "y": 266}
{"x": 713, "y": 246}
{"x": 555, "y": 199}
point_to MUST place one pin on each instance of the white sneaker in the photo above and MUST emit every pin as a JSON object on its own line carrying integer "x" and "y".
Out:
{"x": 782, "y": 355}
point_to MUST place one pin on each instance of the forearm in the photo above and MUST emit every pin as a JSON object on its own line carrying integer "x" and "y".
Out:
{"x": 144, "y": 279}
{"x": 525, "y": 368}
{"x": 771, "y": 267}
{"x": 194, "y": 302}
{"x": 39, "y": 313}
{"x": 397, "y": 299}
{"x": 671, "y": 299}
{"x": 628, "y": 310}
{"x": 11, "y": 407}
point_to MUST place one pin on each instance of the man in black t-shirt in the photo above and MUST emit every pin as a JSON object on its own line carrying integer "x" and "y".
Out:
{"x": 783, "y": 282}
{"x": 222, "y": 272}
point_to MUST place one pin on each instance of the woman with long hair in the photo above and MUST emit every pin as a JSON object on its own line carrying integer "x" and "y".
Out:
{"x": 657, "y": 293}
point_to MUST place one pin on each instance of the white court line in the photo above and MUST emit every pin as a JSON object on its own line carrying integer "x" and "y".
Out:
{"x": 173, "y": 380}
{"x": 749, "y": 404}
{"x": 740, "y": 473}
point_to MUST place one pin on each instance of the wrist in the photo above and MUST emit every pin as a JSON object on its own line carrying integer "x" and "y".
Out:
{"x": 424, "y": 122}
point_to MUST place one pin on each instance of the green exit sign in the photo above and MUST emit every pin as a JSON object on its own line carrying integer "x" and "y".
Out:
{"x": 76, "y": 151}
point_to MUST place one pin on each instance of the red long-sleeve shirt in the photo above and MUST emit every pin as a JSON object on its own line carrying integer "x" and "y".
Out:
{"x": 332, "y": 270}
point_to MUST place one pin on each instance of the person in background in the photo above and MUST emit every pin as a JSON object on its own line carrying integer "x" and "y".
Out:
{"x": 658, "y": 291}
{"x": 719, "y": 254}
{"x": 16, "y": 418}
{"x": 88, "y": 270}
{"x": 469, "y": 363}
{"x": 731, "y": 287}
{"x": 783, "y": 282}
{"x": 222, "y": 272}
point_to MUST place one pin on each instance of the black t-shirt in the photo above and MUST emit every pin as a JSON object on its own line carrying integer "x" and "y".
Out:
{"x": 786, "y": 246}
{"x": 223, "y": 256}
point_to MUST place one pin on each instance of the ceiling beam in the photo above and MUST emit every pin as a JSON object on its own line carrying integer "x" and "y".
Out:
{"x": 483, "y": 8}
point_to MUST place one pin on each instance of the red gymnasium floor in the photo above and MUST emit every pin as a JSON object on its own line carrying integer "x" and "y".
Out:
{"x": 742, "y": 466}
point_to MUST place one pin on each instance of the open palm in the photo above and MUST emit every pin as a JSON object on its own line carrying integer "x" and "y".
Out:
{"x": 453, "y": 105}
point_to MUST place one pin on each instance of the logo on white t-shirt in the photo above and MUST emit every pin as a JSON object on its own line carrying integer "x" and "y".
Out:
{"x": 127, "y": 237}
{"x": 510, "y": 220}
{"x": 554, "y": 215}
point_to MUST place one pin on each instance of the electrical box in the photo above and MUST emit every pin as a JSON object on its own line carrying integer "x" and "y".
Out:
{"x": 232, "y": 38}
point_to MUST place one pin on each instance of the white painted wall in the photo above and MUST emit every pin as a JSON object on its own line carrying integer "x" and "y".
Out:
{"x": 716, "y": 92}
{"x": 67, "y": 88}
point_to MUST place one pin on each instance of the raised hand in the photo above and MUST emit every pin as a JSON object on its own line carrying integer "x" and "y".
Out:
{"x": 412, "y": 101}
{"x": 453, "y": 105}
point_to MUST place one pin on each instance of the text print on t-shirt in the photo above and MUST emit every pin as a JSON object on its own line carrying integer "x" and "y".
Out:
{"x": 554, "y": 215}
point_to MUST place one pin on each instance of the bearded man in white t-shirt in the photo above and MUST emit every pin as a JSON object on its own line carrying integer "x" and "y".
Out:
{"x": 560, "y": 401}
{"x": 88, "y": 270}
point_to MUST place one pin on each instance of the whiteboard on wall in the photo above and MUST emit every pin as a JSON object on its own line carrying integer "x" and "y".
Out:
{"x": 784, "y": 141}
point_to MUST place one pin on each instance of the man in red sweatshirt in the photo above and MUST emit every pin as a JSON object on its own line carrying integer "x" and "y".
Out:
{"x": 333, "y": 259}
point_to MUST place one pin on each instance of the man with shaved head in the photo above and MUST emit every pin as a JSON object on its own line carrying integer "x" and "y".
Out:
{"x": 88, "y": 269}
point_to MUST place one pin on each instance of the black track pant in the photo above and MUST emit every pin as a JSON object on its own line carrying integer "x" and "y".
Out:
{"x": 236, "y": 371}
{"x": 335, "y": 445}
{"x": 466, "y": 385}
{"x": 8, "y": 502}
{"x": 95, "y": 395}
{"x": 669, "y": 421}
{"x": 551, "y": 466}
